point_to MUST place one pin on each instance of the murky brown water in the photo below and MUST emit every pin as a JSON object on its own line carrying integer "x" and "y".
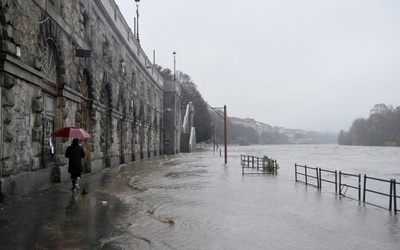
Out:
{"x": 195, "y": 201}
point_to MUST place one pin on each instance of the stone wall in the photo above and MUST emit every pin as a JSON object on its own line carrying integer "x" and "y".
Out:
{"x": 111, "y": 90}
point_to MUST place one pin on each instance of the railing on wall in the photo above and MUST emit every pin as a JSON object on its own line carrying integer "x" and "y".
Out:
{"x": 344, "y": 181}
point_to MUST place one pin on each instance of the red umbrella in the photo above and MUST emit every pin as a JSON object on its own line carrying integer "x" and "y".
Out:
{"x": 72, "y": 132}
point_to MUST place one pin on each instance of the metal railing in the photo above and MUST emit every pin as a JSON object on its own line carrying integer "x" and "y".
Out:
{"x": 345, "y": 181}
{"x": 335, "y": 181}
{"x": 345, "y": 186}
{"x": 263, "y": 165}
{"x": 395, "y": 196}
{"x": 306, "y": 174}
{"x": 390, "y": 194}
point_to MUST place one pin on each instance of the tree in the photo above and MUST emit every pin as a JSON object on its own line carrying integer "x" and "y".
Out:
{"x": 202, "y": 118}
{"x": 382, "y": 128}
{"x": 189, "y": 93}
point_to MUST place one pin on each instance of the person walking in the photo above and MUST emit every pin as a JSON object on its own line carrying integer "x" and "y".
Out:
{"x": 75, "y": 153}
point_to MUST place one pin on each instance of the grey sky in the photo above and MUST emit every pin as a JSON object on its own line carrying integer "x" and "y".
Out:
{"x": 307, "y": 64}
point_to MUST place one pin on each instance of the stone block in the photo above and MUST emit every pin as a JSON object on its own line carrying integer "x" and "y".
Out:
{"x": 9, "y": 47}
{"x": 5, "y": 187}
{"x": 22, "y": 184}
{"x": 9, "y": 81}
{"x": 61, "y": 174}
{"x": 114, "y": 161}
{"x": 7, "y": 32}
{"x": 96, "y": 166}
{"x": 7, "y": 115}
{"x": 36, "y": 134}
{"x": 8, "y": 98}
{"x": 37, "y": 105}
{"x": 8, "y": 152}
{"x": 5, "y": 17}
{"x": 9, "y": 133}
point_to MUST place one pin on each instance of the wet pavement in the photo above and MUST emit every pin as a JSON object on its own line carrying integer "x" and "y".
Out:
{"x": 57, "y": 218}
{"x": 193, "y": 201}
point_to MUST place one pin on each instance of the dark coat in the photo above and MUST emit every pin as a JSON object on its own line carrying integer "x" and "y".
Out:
{"x": 75, "y": 153}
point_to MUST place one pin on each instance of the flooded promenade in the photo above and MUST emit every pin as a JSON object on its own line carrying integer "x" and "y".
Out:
{"x": 195, "y": 201}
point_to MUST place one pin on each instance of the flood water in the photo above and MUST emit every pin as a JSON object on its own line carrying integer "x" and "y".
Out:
{"x": 195, "y": 201}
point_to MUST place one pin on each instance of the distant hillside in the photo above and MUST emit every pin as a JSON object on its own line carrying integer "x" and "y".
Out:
{"x": 256, "y": 132}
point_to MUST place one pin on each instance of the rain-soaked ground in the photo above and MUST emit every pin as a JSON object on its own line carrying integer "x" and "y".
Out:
{"x": 195, "y": 201}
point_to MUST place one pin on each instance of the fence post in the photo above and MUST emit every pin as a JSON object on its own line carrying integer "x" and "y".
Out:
{"x": 365, "y": 187}
{"x": 391, "y": 194}
{"x": 340, "y": 182}
{"x": 295, "y": 172}
{"x": 394, "y": 195}
{"x": 252, "y": 161}
{"x": 316, "y": 170}
{"x": 263, "y": 163}
{"x": 336, "y": 181}
{"x": 241, "y": 159}
{"x": 305, "y": 171}
{"x": 359, "y": 187}
{"x": 320, "y": 178}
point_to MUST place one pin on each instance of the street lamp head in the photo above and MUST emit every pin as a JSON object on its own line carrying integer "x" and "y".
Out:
{"x": 137, "y": 2}
{"x": 174, "y": 53}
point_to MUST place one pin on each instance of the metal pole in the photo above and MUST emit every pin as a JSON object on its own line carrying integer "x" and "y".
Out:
{"x": 225, "y": 136}
{"x": 305, "y": 171}
{"x": 137, "y": 21}
{"x": 391, "y": 194}
{"x": 359, "y": 187}
{"x": 214, "y": 137}
{"x": 336, "y": 181}
{"x": 394, "y": 195}
{"x": 340, "y": 182}
{"x": 365, "y": 187}
{"x": 174, "y": 53}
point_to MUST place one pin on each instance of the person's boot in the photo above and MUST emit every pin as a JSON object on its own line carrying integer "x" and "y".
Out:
{"x": 77, "y": 182}
{"x": 73, "y": 184}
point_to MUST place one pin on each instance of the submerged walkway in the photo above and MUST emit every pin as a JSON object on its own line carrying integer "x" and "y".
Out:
{"x": 192, "y": 201}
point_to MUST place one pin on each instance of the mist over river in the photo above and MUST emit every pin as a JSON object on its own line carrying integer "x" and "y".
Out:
{"x": 195, "y": 201}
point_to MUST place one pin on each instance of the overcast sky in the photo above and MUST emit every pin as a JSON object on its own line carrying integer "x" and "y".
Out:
{"x": 306, "y": 64}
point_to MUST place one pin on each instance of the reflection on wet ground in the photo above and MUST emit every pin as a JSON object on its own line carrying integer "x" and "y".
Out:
{"x": 193, "y": 201}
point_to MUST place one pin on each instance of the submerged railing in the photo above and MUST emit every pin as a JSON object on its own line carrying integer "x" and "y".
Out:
{"x": 344, "y": 181}
{"x": 307, "y": 174}
{"x": 262, "y": 165}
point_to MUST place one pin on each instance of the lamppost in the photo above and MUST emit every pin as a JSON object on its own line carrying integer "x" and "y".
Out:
{"x": 137, "y": 20}
{"x": 225, "y": 130}
{"x": 174, "y": 53}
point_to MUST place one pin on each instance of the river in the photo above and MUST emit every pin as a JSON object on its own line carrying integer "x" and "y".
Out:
{"x": 195, "y": 201}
